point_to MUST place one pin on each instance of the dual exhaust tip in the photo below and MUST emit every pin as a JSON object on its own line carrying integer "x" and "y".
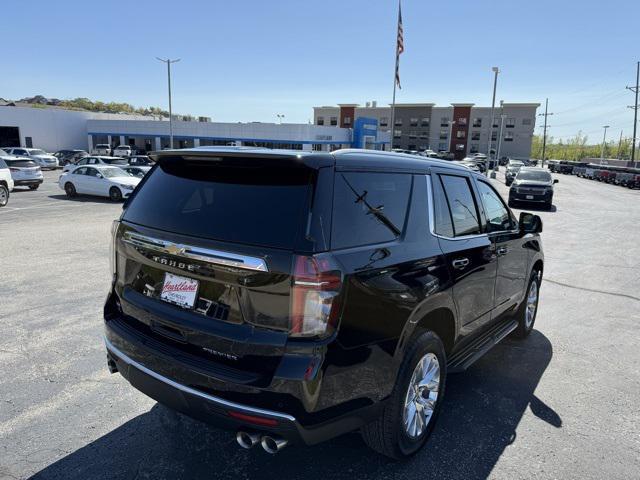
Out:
{"x": 269, "y": 444}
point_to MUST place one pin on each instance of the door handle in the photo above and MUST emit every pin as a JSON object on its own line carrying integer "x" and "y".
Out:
{"x": 460, "y": 263}
{"x": 502, "y": 250}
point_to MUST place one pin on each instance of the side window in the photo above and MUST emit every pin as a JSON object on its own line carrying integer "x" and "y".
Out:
{"x": 368, "y": 208}
{"x": 464, "y": 212}
{"x": 82, "y": 162}
{"x": 2, "y": 164}
{"x": 92, "y": 172}
{"x": 80, "y": 171}
{"x": 498, "y": 218}
{"x": 442, "y": 220}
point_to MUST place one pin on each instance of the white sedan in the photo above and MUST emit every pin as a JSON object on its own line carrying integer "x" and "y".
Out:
{"x": 103, "y": 181}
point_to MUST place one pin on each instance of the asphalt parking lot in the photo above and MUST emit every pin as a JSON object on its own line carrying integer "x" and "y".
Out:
{"x": 562, "y": 404}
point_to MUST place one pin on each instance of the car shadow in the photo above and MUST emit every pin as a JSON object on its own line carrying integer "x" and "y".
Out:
{"x": 534, "y": 207}
{"x": 83, "y": 199}
{"x": 479, "y": 420}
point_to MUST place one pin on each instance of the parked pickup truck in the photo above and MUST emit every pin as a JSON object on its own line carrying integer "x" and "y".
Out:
{"x": 294, "y": 296}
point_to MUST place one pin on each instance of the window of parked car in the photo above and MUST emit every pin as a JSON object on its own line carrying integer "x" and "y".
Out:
{"x": 2, "y": 164}
{"x": 80, "y": 171}
{"x": 368, "y": 208}
{"x": 442, "y": 219}
{"x": 496, "y": 212}
{"x": 21, "y": 163}
{"x": 462, "y": 205}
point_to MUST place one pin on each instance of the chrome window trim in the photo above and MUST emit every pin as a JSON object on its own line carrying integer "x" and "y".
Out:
{"x": 192, "y": 391}
{"x": 216, "y": 257}
{"x": 432, "y": 214}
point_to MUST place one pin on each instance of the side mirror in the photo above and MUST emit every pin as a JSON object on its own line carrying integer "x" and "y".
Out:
{"x": 99, "y": 175}
{"x": 529, "y": 223}
{"x": 555, "y": 180}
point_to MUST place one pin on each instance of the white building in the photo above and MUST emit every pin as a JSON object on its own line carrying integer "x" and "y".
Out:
{"x": 55, "y": 129}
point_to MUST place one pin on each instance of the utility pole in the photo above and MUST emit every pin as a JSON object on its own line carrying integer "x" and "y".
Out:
{"x": 496, "y": 71}
{"x": 544, "y": 136}
{"x": 619, "y": 146}
{"x": 169, "y": 62}
{"x": 635, "y": 113}
{"x": 604, "y": 139}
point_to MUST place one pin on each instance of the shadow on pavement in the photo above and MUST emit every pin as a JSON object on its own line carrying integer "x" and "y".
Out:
{"x": 83, "y": 199}
{"x": 481, "y": 413}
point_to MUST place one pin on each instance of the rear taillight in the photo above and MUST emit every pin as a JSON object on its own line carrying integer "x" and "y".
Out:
{"x": 112, "y": 247}
{"x": 316, "y": 284}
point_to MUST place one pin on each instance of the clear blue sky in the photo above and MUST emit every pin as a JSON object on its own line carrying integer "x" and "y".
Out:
{"x": 248, "y": 60}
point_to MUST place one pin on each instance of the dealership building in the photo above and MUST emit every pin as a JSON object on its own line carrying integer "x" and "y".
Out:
{"x": 461, "y": 128}
{"x": 53, "y": 129}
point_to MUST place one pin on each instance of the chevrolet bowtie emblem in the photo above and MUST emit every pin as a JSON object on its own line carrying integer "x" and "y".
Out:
{"x": 173, "y": 249}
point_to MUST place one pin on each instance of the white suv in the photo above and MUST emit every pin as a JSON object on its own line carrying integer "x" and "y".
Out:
{"x": 42, "y": 158}
{"x": 6, "y": 183}
{"x": 122, "y": 151}
{"x": 101, "y": 149}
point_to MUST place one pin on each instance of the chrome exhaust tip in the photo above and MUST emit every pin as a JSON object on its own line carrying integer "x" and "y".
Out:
{"x": 273, "y": 445}
{"x": 247, "y": 440}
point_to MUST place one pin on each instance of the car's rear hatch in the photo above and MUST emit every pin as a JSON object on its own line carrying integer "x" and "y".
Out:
{"x": 204, "y": 258}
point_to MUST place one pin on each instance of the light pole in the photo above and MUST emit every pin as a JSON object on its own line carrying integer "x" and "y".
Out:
{"x": 496, "y": 71}
{"x": 451, "y": 124}
{"x": 502, "y": 117}
{"x": 280, "y": 117}
{"x": 169, "y": 62}
{"x": 604, "y": 138}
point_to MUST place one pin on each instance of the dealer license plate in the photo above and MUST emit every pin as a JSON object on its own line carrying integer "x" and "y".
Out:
{"x": 179, "y": 290}
{"x": 529, "y": 197}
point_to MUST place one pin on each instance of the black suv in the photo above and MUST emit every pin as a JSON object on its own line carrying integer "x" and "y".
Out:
{"x": 532, "y": 185}
{"x": 293, "y": 296}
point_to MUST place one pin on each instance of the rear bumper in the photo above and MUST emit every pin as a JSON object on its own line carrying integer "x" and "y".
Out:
{"x": 522, "y": 197}
{"x": 231, "y": 415}
{"x": 33, "y": 181}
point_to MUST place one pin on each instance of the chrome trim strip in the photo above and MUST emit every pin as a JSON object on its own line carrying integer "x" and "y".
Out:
{"x": 192, "y": 391}
{"x": 216, "y": 257}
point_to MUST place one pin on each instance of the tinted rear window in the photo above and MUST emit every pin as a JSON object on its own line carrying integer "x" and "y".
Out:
{"x": 534, "y": 175}
{"x": 368, "y": 208}
{"x": 21, "y": 163}
{"x": 257, "y": 204}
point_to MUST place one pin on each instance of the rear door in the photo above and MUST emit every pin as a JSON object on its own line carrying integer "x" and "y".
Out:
{"x": 510, "y": 250}
{"x": 468, "y": 251}
{"x": 205, "y": 256}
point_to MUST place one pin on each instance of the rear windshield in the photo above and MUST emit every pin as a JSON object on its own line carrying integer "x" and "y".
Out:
{"x": 37, "y": 152}
{"x": 540, "y": 176}
{"x": 252, "y": 204}
{"x": 21, "y": 163}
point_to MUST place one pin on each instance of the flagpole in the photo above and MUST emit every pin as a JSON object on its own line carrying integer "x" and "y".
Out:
{"x": 395, "y": 79}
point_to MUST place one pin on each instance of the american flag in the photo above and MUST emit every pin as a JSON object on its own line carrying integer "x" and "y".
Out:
{"x": 399, "y": 45}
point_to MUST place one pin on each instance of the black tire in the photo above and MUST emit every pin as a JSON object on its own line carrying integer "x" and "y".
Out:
{"x": 115, "y": 194}
{"x": 387, "y": 434}
{"x": 524, "y": 327}
{"x": 4, "y": 196}
{"x": 34, "y": 187}
{"x": 70, "y": 190}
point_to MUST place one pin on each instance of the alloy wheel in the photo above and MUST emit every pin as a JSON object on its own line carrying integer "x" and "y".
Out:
{"x": 532, "y": 304}
{"x": 421, "y": 397}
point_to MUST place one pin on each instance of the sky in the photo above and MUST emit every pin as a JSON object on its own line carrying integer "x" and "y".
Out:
{"x": 250, "y": 60}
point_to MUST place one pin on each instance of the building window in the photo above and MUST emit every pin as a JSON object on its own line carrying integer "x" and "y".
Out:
{"x": 442, "y": 146}
{"x": 347, "y": 120}
{"x": 398, "y": 122}
{"x": 462, "y": 121}
{"x": 320, "y": 121}
{"x": 508, "y": 137}
{"x": 424, "y": 135}
{"x": 461, "y": 134}
{"x": 384, "y": 121}
{"x": 413, "y": 134}
{"x": 474, "y": 148}
{"x": 511, "y": 122}
{"x": 397, "y": 133}
{"x": 459, "y": 147}
{"x": 477, "y": 122}
{"x": 413, "y": 122}
{"x": 526, "y": 121}
{"x": 317, "y": 147}
{"x": 424, "y": 122}
{"x": 494, "y": 136}
{"x": 412, "y": 147}
{"x": 475, "y": 135}
{"x": 443, "y": 134}
{"x": 444, "y": 122}
{"x": 333, "y": 121}
{"x": 28, "y": 142}
{"x": 496, "y": 122}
